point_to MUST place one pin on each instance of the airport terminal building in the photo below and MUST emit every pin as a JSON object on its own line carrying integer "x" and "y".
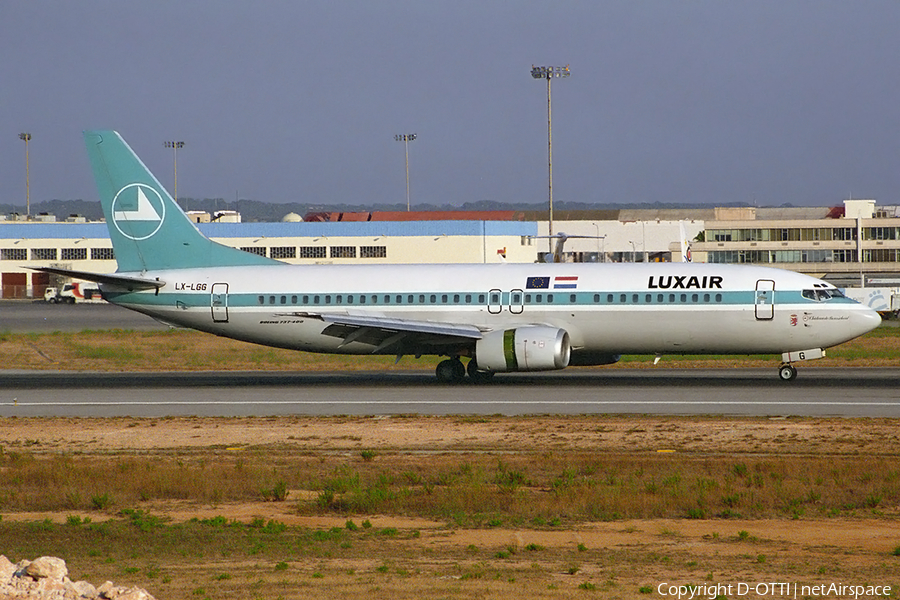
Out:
{"x": 857, "y": 244}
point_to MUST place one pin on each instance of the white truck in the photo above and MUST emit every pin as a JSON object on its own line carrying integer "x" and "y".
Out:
{"x": 886, "y": 300}
{"x": 72, "y": 293}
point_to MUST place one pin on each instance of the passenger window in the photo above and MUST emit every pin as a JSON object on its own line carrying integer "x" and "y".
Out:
{"x": 399, "y": 299}
{"x": 527, "y": 298}
{"x": 410, "y": 299}
{"x": 572, "y": 298}
{"x": 284, "y": 299}
{"x": 387, "y": 299}
{"x": 695, "y": 297}
{"x": 609, "y": 298}
{"x": 480, "y": 298}
{"x": 271, "y": 299}
{"x": 433, "y": 299}
{"x": 648, "y": 298}
{"x": 421, "y": 298}
{"x": 444, "y": 298}
{"x": 455, "y": 298}
{"x": 340, "y": 299}
{"x": 596, "y": 297}
{"x": 327, "y": 298}
{"x": 362, "y": 299}
{"x": 316, "y": 299}
{"x": 293, "y": 299}
{"x": 706, "y": 297}
{"x": 262, "y": 299}
{"x": 468, "y": 298}
{"x": 635, "y": 298}
{"x": 718, "y": 297}
{"x": 623, "y": 298}
{"x": 660, "y": 298}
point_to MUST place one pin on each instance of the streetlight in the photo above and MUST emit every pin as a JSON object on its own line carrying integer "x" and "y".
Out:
{"x": 175, "y": 146}
{"x": 26, "y": 137}
{"x": 549, "y": 73}
{"x": 406, "y": 138}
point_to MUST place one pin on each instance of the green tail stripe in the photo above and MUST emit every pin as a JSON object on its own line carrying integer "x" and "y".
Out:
{"x": 509, "y": 349}
{"x": 148, "y": 229}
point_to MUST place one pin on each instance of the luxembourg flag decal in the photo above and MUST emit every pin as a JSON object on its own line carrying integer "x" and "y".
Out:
{"x": 565, "y": 283}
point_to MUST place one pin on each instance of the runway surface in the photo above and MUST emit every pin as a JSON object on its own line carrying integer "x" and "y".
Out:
{"x": 755, "y": 392}
{"x": 20, "y": 316}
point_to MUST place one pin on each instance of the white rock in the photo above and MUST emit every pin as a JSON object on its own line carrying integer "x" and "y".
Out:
{"x": 7, "y": 569}
{"x": 85, "y": 589}
{"x": 48, "y": 567}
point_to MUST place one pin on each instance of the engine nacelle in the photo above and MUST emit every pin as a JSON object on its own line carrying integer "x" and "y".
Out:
{"x": 534, "y": 348}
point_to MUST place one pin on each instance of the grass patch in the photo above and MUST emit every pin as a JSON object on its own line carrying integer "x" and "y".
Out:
{"x": 186, "y": 350}
{"x": 483, "y": 491}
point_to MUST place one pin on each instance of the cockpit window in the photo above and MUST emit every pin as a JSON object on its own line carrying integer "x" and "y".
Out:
{"x": 820, "y": 295}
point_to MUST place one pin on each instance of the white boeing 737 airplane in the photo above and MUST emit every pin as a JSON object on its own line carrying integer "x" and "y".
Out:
{"x": 503, "y": 317}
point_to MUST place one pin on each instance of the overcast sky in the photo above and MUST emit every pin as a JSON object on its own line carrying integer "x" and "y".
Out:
{"x": 765, "y": 101}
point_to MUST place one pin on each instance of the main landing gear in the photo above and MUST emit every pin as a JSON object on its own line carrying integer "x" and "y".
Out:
{"x": 787, "y": 372}
{"x": 453, "y": 371}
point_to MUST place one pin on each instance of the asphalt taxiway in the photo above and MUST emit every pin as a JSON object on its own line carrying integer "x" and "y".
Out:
{"x": 858, "y": 392}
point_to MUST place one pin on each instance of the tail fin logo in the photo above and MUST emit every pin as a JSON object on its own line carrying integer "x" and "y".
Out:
{"x": 138, "y": 211}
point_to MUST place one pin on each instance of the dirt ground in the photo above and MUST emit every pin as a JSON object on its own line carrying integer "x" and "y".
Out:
{"x": 618, "y": 559}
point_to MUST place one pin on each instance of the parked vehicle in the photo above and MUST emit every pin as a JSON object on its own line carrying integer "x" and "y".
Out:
{"x": 72, "y": 293}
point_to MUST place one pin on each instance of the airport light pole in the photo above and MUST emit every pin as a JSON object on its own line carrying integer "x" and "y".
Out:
{"x": 406, "y": 138}
{"x": 175, "y": 146}
{"x": 549, "y": 73}
{"x": 26, "y": 137}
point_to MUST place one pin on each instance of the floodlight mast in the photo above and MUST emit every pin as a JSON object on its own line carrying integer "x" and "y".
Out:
{"x": 175, "y": 146}
{"x": 549, "y": 73}
{"x": 406, "y": 138}
{"x": 26, "y": 137}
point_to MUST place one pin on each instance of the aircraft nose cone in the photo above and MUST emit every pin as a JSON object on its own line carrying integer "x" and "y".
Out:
{"x": 866, "y": 320}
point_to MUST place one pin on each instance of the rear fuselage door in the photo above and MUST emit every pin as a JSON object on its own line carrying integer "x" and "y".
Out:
{"x": 218, "y": 301}
{"x": 765, "y": 300}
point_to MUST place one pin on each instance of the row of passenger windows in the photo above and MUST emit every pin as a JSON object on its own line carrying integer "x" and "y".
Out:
{"x": 515, "y": 298}
{"x": 375, "y": 299}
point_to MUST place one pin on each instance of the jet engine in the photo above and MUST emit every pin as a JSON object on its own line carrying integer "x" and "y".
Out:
{"x": 533, "y": 348}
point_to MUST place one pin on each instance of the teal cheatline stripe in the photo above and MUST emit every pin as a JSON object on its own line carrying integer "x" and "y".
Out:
{"x": 509, "y": 349}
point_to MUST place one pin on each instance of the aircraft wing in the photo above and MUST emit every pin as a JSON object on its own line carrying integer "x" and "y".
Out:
{"x": 396, "y": 336}
{"x": 129, "y": 283}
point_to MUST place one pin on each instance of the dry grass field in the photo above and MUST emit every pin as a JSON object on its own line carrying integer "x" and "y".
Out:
{"x": 444, "y": 507}
{"x": 186, "y": 350}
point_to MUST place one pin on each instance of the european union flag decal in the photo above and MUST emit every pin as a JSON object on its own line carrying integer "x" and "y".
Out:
{"x": 537, "y": 283}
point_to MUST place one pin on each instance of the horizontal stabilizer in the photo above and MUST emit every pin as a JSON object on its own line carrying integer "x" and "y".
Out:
{"x": 129, "y": 283}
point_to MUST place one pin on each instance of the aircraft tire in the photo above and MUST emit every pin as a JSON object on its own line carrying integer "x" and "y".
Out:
{"x": 787, "y": 372}
{"x": 450, "y": 371}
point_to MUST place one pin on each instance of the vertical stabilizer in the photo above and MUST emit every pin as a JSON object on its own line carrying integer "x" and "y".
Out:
{"x": 149, "y": 231}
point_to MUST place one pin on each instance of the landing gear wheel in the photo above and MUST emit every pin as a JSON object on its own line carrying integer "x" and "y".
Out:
{"x": 787, "y": 372}
{"x": 476, "y": 375}
{"x": 450, "y": 371}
